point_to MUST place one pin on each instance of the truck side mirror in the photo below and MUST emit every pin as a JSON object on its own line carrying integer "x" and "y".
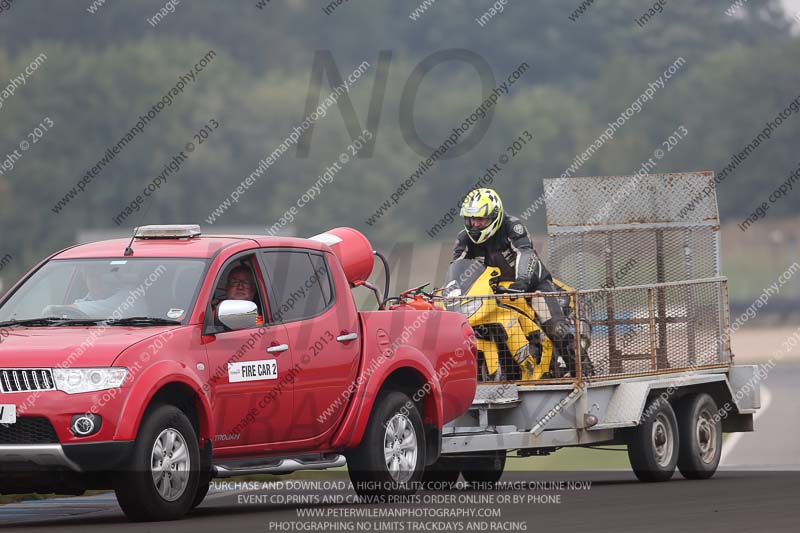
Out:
{"x": 238, "y": 314}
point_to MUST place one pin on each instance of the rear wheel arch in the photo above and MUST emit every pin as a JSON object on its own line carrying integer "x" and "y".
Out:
{"x": 391, "y": 458}
{"x": 411, "y": 382}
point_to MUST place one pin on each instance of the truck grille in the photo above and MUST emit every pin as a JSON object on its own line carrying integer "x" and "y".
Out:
{"x": 28, "y": 430}
{"x": 26, "y": 379}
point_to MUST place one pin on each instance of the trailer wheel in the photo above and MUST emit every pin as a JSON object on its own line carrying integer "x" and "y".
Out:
{"x": 391, "y": 456}
{"x": 653, "y": 445}
{"x": 700, "y": 437}
{"x": 484, "y": 467}
{"x": 441, "y": 475}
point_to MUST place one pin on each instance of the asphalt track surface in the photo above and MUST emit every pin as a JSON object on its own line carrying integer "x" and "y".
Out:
{"x": 758, "y": 489}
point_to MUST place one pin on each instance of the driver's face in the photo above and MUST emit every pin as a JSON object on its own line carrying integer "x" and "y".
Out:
{"x": 478, "y": 222}
{"x": 241, "y": 286}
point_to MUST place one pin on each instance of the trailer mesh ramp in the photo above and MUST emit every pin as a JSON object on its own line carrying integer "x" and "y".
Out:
{"x": 644, "y": 252}
{"x": 657, "y": 328}
{"x": 617, "y": 231}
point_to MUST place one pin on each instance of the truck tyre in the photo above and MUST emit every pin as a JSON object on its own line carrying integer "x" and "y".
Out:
{"x": 164, "y": 470}
{"x": 202, "y": 489}
{"x": 700, "y": 437}
{"x": 442, "y": 475}
{"x": 653, "y": 445}
{"x": 484, "y": 467}
{"x": 391, "y": 456}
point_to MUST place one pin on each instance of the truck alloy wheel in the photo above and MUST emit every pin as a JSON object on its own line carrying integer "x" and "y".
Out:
{"x": 170, "y": 463}
{"x": 391, "y": 456}
{"x": 701, "y": 437}
{"x": 400, "y": 448}
{"x": 163, "y": 472}
{"x": 653, "y": 445}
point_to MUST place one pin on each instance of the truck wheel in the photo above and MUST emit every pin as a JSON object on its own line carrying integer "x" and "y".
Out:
{"x": 163, "y": 472}
{"x": 653, "y": 445}
{"x": 391, "y": 456}
{"x": 202, "y": 489}
{"x": 484, "y": 467}
{"x": 700, "y": 436}
{"x": 441, "y": 475}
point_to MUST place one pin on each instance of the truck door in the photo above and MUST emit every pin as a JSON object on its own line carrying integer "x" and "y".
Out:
{"x": 310, "y": 297}
{"x": 249, "y": 368}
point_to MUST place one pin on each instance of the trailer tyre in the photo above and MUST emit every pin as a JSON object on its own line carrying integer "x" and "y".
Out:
{"x": 442, "y": 475}
{"x": 484, "y": 467}
{"x": 700, "y": 437}
{"x": 391, "y": 456}
{"x": 653, "y": 445}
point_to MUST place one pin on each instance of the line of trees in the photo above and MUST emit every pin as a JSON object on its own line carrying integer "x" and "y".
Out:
{"x": 103, "y": 69}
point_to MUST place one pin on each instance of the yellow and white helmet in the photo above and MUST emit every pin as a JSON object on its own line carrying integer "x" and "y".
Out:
{"x": 482, "y": 203}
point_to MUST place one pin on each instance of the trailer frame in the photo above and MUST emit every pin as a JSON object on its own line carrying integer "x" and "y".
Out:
{"x": 678, "y": 310}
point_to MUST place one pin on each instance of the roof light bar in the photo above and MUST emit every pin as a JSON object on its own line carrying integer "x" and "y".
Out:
{"x": 169, "y": 231}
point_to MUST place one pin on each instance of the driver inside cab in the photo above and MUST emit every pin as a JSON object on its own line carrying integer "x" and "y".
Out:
{"x": 240, "y": 285}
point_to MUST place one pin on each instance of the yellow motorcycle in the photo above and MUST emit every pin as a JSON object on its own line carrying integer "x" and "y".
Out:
{"x": 512, "y": 344}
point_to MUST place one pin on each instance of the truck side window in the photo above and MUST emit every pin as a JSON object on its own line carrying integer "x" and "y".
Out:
{"x": 300, "y": 282}
{"x": 320, "y": 266}
{"x": 239, "y": 280}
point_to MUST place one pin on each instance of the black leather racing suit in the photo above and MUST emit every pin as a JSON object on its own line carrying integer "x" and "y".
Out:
{"x": 511, "y": 250}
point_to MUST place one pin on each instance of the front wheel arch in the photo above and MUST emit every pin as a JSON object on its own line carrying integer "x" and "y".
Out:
{"x": 167, "y": 381}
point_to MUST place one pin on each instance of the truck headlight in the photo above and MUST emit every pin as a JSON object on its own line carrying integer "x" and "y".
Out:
{"x": 76, "y": 380}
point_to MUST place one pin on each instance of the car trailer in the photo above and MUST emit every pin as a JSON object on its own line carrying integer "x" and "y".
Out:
{"x": 662, "y": 380}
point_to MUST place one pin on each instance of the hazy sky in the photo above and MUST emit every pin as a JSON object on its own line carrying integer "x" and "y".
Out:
{"x": 792, "y": 6}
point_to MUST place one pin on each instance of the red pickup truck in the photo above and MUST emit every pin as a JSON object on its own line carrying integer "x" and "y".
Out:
{"x": 152, "y": 365}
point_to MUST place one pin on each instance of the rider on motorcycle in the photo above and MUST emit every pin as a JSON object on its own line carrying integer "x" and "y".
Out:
{"x": 503, "y": 242}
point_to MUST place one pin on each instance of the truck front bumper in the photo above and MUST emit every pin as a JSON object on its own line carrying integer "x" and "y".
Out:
{"x": 88, "y": 457}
